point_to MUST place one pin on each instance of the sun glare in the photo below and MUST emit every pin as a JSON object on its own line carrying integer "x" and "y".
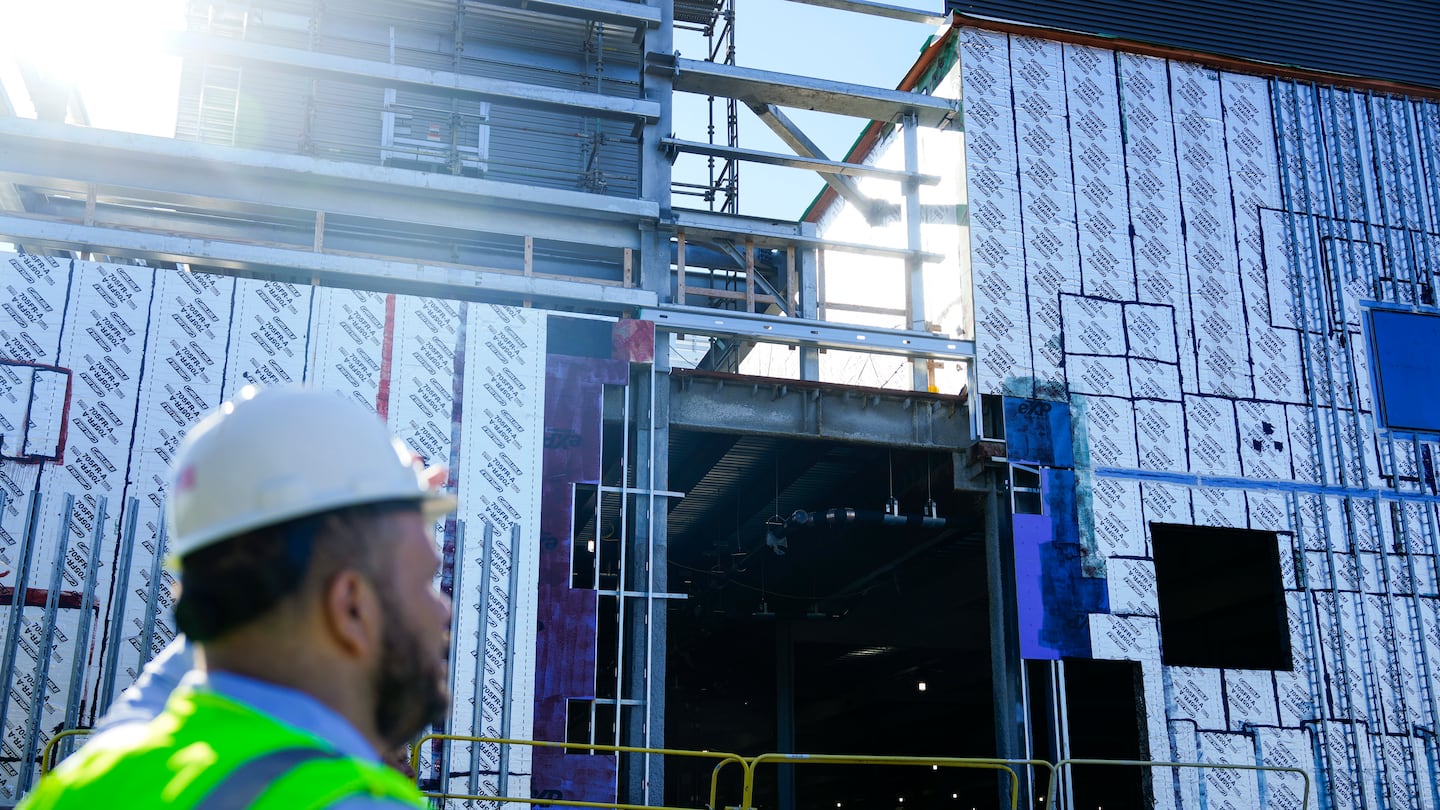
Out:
{"x": 112, "y": 52}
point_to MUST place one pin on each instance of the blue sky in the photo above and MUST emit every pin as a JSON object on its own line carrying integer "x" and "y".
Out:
{"x": 808, "y": 40}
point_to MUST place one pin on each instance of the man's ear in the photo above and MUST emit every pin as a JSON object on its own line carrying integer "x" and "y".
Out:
{"x": 353, "y": 614}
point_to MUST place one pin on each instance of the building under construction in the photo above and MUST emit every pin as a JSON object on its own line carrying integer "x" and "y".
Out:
{"x": 1086, "y": 414}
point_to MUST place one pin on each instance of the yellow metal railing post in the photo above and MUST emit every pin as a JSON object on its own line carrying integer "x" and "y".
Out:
{"x": 1065, "y": 763}
{"x": 724, "y": 759}
{"x": 47, "y": 755}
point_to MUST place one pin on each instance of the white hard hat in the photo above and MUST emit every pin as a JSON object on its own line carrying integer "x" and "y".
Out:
{"x": 276, "y": 454}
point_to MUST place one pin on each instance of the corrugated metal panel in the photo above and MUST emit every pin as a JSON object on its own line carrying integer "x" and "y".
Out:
{"x": 1396, "y": 40}
{"x": 428, "y": 131}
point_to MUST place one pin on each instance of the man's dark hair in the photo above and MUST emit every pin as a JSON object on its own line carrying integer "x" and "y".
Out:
{"x": 238, "y": 580}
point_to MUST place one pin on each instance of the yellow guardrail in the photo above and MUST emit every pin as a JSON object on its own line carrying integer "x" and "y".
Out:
{"x": 1061, "y": 765}
{"x": 47, "y": 756}
{"x": 981, "y": 763}
{"x": 749, "y": 766}
{"x": 724, "y": 759}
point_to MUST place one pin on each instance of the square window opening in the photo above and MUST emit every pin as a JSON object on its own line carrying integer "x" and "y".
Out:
{"x": 1407, "y": 373}
{"x": 1221, "y": 598}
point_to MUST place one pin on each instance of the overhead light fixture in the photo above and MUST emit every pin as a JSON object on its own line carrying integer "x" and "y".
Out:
{"x": 920, "y": 685}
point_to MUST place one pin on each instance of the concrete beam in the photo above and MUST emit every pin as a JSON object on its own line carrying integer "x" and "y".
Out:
{"x": 451, "y": 281}
{"x": 725, "y": 403}
{"x": 802, "y": 92}
{"x": 294, "y": 62}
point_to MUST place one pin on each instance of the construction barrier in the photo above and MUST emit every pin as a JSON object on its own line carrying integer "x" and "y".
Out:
{"x": 748, "y": 767}
{"x": 723, "y": 759}
{"x": 981, "y": 763}
{"x": 47, "y": 757}
{"x": 1057, "y": 772}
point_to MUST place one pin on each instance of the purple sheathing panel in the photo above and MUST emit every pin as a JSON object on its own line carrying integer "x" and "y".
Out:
{"x": 565, "y": 627}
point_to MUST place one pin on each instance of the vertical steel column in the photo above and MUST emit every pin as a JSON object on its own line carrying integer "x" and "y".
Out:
{"x": 1007, "y": 675}
{"x": 1324, "y": 784}
{"x": 645, "y": 683}
{"x": 624, "y": 539}
{"x": 482, "y": 633}
{"x": 110, "y": 672}
{"x": 456, "y": 605}
{"x": 654, "y": 167}
{"x": 914, "y": 264}
{"x": 808, "y": 273}
{"x": 87, "y": 618}
{"x": 508, "y": 697}
{"x": 785, "y": 711}
{"x": 1062, "y": 729}
{"x": 25, "y": 556}
{"x": 147, "y": 640}
{"x": 45, "y": 647}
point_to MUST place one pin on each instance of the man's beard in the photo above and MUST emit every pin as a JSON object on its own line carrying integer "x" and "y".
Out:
{"x": 412, "y": 689}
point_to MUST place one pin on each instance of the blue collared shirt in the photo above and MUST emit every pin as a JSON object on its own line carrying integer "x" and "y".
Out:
{"x": 305, "y": 713}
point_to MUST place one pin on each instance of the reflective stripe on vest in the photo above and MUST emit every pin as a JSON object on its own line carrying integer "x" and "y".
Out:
{"x": 245, "y": 784}
{"x": 208, "y": 752}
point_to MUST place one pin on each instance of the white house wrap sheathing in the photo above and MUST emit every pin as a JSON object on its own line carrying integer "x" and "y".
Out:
{"x": 146, "y": 352}
{"x": 1182, "y": 255}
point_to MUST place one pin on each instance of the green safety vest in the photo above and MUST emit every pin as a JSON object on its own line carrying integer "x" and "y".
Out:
{"x": 208, "y": 752}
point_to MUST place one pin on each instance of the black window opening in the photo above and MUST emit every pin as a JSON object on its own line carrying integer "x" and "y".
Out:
{"x": 1407, "y": 372}
{"x": 1221, "y": 598}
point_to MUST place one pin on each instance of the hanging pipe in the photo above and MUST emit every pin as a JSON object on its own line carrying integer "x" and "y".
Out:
{"x": 846, "y": 517}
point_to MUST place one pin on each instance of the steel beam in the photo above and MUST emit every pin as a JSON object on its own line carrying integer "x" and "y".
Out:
{"x": 311, "y": 64}
{"x": 807, "y": 332}
{"x": 204, "y": 173}
{"x": 779, "y": 234}
{"x": 815, "y": 164}
{"x": 453, "y": 281}
{"x": 615, "y": 12}
{"x": 729, "y": 403}
{"x": 876, "y": 212}
{"x": 879, "y": 10}
{"x": 754, "y": 86}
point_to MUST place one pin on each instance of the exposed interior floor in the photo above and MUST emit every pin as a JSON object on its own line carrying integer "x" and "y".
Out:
{"x": 854, "y": 638}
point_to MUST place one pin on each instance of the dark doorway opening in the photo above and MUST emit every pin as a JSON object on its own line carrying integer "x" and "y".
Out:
{"x": 843, "y": 636}
{"x": 1105, "y": 714}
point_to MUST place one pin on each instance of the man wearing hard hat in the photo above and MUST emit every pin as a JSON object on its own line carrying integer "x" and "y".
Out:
{"x": 304, "y": 541}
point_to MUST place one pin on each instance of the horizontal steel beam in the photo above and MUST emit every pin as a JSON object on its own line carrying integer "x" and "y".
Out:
{"x": 295, "y": 62}
{"x": 807, "y": 332}
{"x": 879, "y": 10}
{"x": 755, "y": 406}
{"x": 802, "y": 92}
{"x": 258, "y": 180}
{"x": 451, "y": 281}
{"x": 615, "y": 12}
{"x": 769, "y": 233}
{"x": 794, "y": 161}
